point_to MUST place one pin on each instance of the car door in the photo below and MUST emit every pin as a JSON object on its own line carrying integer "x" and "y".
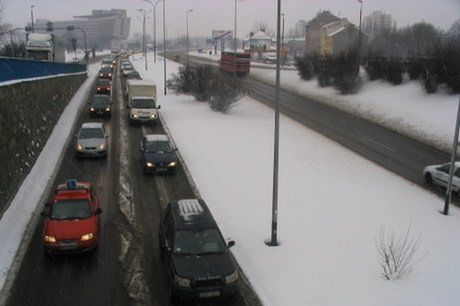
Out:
{"x": 441, "y": 175}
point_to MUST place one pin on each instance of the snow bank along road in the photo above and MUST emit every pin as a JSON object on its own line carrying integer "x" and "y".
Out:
{"x": 126, "y": 269}
{"x": 395, "y": 152}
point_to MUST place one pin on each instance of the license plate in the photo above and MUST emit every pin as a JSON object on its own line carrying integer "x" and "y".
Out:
{"x": 209, "y": 294}
{"x": 68, "y": 246}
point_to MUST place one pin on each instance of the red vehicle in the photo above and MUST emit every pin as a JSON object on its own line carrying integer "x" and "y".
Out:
{"x": 104, "y": 86}
{"x": 242, "y": 65}
{"x": 72, "y": 219}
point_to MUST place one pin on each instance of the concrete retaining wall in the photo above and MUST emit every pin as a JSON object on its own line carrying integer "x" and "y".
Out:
{"x": 28, "y": 114}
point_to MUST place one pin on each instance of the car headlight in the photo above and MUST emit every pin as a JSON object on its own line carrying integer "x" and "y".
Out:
{"x": 172, "y": 164}
{"x": 101, "y": 74}
{"x": 102, "y": 147}
{"x": 153, "y": 116}
{"x": 98, "y": 88}
{"x": 50, "y": 239}
{"x": 135, "y": 116}
{"x": 110, "y": 74}
{"x": 231, "y": 278}
{"x": 183, "y": 282}
{"x": 79, "y": 147}
{"x": 108, "y": 109}
{"x": 150, "y": 165}
{"x": 92, "y": 109}
{"x": 86, "y": 237}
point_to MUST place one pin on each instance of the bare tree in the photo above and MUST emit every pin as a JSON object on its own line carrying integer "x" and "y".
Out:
{"x": 397, "y": 255}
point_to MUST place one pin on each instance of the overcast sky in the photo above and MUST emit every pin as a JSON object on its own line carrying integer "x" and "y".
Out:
{"x": 219, "y": 14}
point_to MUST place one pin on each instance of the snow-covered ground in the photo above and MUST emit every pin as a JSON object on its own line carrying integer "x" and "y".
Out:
{"x": 332, "y": 206}
{"x": 16, "y": 224}
{"x": 81, "y": 54}
{"x": 405, "y": 108}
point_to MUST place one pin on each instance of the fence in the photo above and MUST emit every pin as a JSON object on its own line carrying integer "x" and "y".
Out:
{"x": 15, "y": 69}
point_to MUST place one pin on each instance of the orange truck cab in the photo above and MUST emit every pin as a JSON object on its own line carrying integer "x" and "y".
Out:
{"x": 72, "y": 219}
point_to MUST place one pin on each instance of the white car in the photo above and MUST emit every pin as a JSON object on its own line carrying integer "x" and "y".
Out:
{"x": 439, "y": 175}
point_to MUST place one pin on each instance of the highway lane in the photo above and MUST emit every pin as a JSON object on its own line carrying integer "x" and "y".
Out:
{"x": 80, "y": 279}
{"x": 127, "y": 268}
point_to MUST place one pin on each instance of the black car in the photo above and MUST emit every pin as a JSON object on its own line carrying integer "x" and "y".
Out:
{"x": 105, "y": 73}
{"x": 100, "y": 105}
{"x": 194, "y": 252}
{"x": 157, "y": 154}
{"x": 133, "y": 75}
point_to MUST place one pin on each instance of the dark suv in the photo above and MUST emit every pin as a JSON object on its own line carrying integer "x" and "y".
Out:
{"x": 194, "y": 252}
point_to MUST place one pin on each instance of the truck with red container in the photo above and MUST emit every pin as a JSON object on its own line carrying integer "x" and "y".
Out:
{"x": 242, "y": 65}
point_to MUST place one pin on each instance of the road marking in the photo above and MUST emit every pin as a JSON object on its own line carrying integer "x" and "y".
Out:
{"x": 380, "y": 144}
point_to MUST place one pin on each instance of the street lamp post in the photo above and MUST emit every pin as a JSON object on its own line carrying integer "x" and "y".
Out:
{"x": 274, "y": 232}
{"x": 144, "y": 42}
{"x": 359, "y": 34}
{"x": 154, "y": 28}
{"x": 189, "y": 11}
{"x": 164, "y": 46}
{"x": 32, "y": 17}
{"x": 234, "y": 42}
{"x": 282, "y": 42}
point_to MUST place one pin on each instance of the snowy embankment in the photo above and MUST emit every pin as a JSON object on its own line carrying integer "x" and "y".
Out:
{"x": 332, "y": 206}
{"x": 406, "y": 108}
{"x": 17, "y": 224}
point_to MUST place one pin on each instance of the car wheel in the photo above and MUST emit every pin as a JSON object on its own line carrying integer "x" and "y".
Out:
{"x": 429, "y": 179}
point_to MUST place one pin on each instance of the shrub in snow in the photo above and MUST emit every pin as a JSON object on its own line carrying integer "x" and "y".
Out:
{"x": 415, "y": 67}
{"x": 182, "y": 81}
{"x": 393, "y": 71}
{"x": 325, "y": 71}
{"x": 345, "y": 76}
{"x": 225, "y": 92}
{"x": 305, "y": 66}
{"x": 397, "y": 255}
{"x": 201, "y": 82}
{"x": 429, "y": 80}
{"x": 376, "y": 66}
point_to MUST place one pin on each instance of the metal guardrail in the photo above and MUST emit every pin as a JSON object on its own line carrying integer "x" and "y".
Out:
{"x": 16, "y": 69}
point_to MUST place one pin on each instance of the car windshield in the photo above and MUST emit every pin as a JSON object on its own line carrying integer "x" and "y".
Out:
{"x": 157, "y": 146}
{"x": 91, "y": 133}
{"x": 100, "y": 101}
{"x": 107, "y": 61}
{"x": 103, "y": 83}
{"x": 206, "y": 241}
{"x": 70, "y": 210}
{"x": 143, "y": 103}
{"x": 106, "y": 70}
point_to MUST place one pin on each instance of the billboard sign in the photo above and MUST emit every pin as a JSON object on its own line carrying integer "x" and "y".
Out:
{"x": 222, "y": 35}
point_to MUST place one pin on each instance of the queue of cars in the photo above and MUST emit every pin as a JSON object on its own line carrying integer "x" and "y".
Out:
{"x": 193, "y": 250}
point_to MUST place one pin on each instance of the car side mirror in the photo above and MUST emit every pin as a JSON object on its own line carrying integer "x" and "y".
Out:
{"x": 98, "y": 211}
{"x": 43, "y": 214}
{"x": 166, "y": 247}
{"x": 159, "y": 106}
{"x": 230, "y": 243}
{"x": 141, "y": 148}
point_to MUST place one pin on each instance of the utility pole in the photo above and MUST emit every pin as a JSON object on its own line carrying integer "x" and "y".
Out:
{"x": 32, "y": 17}
{"x": 154, "y": 28}
{"x": 282, "y": 42}
{"x": 274, "y": 232}
{"x": 452, "y": 164}
{"x": 234, "y": 43}
{"x": 359, "y": 35}
{"x": 189, "y": 11}
{"x": 144, "y": 42}
{"x": 164, "y": 46}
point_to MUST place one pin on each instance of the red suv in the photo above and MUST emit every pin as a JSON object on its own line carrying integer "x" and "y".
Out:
{"x": 72, "y": 219}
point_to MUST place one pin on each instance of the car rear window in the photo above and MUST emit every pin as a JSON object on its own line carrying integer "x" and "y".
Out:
{"x": 70, "y": 210}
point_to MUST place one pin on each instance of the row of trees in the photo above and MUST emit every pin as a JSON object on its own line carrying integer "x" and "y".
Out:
{"x": 207, "y": 84}
{"x": 420, "y": 51}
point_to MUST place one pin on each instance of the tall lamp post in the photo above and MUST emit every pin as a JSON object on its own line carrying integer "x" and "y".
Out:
{"x": 32, "y": 17}
{"x": 282, "y": 41}
{"x": 164, "y": 47}
{"x": 359, "y": 34}
{"x": 154, "y": 28}
{"x": 274, "y": 232}
{"x": 144, "y": 42}
{"x": 234, "y": 42}
{"x": 189, "y": 11}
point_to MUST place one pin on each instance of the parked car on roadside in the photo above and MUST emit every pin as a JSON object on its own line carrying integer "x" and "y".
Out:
{"x": 92, "y": 140}
{"x": 100, "y": 105}
{"x": 72, "y": 219}
{"x": 157, "y": 154}
{"x": 439, "y": 175}
{"x": 194, "y": 253}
